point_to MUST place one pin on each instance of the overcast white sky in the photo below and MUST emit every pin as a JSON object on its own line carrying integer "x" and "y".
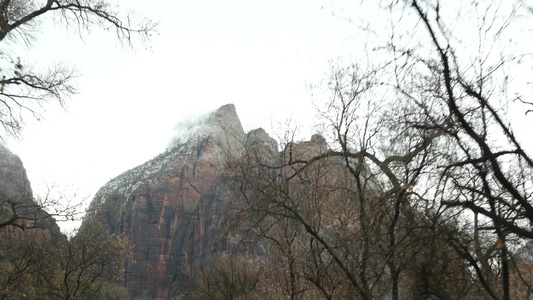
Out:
{"x": 259, "y": 55}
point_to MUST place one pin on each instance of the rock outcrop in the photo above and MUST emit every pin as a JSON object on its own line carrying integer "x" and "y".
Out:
{"x": 18, "y": 210}
{"x": 13, "y": 179}
{"x": 172, "y": 206}
{"x": 169, "y": 206}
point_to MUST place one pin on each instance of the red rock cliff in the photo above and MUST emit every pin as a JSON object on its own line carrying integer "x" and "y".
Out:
{"x": 17, "y": 207}
{"x": 168, "y": 207}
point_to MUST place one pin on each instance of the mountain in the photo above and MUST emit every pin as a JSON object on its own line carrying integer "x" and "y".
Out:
{"x": 175, "y": 207}
{"x": 18, "y": 210}
{"x": 170, "y": 206}
{"x": 309, "y": 214}
{"x": 13, "y": 178}
{"x": 27, "y": 232}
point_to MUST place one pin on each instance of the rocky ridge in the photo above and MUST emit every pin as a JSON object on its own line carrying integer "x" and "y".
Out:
{"x": 172, "y": 206}
{"x": 166, "y": 206}
{"x": 16, "y": 197}
{"x": 13, "y": 179}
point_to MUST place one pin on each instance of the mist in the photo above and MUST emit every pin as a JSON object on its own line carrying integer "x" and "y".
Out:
{"x": 187, "y": 127}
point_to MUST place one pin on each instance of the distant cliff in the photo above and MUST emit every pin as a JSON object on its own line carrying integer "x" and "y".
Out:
{"x": 18, "y": 209}
{"x": 13, "y": 179}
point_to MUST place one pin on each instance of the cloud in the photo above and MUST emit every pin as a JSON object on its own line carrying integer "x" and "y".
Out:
{"x": 187, "y": 127}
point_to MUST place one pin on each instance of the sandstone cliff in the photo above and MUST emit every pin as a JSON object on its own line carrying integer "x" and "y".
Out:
{"x": 173, "y": 207}
{"x": 17, "y": 207}
{"x": 13, "y": 179}
{"x": 168, "y": 206}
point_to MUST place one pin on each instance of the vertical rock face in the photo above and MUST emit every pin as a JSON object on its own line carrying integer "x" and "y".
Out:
{"x": 172, "y": 207}
{"x": 168, "y": 207}
{"x": 16, "y": 198}
{"x": 259, "y": 139}
{"x": 13, "y": 179}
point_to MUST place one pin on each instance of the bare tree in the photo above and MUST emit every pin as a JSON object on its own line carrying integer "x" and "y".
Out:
{"x": 489, "y": 172}
{"x": 23, "y": 212}
{"x": 22, "y": 90}
{"x": 422, "y": 189}
{"x": 452, "y": 94}
{"x": 347, "y": 220}
{"x": 88, "y": 266}
{"x": 227, "y": 277}
{"x": 26, "y": 211}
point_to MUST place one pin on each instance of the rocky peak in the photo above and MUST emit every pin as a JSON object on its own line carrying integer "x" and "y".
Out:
{"x": 166, "y": 205}
{"x": 319, "y": 139}
{"x": 16, "y": 199}
{"x": 13, "y": 179}
{"x": 306, "y": 149}
{"x": 258, "y": 138}
{"x": 225, "y": 119}
{"x": 172, "y": 207}
{"x": 224, "y": 128}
